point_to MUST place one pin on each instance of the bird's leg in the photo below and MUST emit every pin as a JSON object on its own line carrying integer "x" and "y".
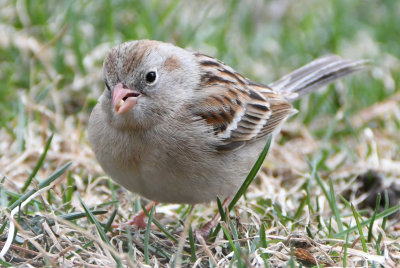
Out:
{"x": 139, "y": 219}
{"x": 205, "y": 230}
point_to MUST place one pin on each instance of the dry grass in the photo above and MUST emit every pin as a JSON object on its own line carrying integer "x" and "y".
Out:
{"x": 293, "y": 212}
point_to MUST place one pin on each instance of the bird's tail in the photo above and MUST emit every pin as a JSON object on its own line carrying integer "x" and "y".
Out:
{"x": 316, "y": 74}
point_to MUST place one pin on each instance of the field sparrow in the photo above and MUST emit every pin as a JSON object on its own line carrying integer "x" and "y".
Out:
{"x": 181, "y": 127}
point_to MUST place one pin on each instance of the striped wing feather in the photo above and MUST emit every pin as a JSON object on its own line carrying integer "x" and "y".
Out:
{"x": 237, "y": 109}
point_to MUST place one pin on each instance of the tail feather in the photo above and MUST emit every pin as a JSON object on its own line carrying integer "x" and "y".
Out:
{"x": 316, "y": 74}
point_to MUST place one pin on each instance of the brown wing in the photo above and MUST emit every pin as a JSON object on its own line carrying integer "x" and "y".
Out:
{"x": 238, "y": 110}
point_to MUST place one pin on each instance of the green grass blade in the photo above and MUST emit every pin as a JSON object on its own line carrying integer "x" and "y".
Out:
{"x": 299, "y": 211}
{"x": 69, "y": 191}
{"x": 111, "y": 220}
{"x": 131, "y": 246}
{"x": 346, "y": 245}
{"x": 160, "y": 226}
{"x": 382, "y": 214}
{"x": 234, "y": 233}
{"x": 347, "y": 203}
{"x": 78, "y": 215}
{"x": 377, "y": 204}
{"x": 192, "y": 246}
{"x": 378, "y": 242}
{"x": 147, "y": 235}
{"x": 16, "y": 196}
{"x": 38, "y": 164}
{"x": 252, "y": 174}
{"x": 359, "y": 227}
{"x": 43, "y": 184}
{"x": 235, "y": 249}
{"x": 5, "y": 264}
{"x": 3, "y": 226}
{"x": 93, "y": 220}
{"x": 330, "y": 196}
{"x": 263, "y": 239}
{"x": 99, "y": 228}
{"x": 334, "y": 205}
{"x": 247, "y": 182}
{"x": 221, "y": 209}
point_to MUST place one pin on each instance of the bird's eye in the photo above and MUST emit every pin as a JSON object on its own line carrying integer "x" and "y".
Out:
{"x": 151, "y": 77}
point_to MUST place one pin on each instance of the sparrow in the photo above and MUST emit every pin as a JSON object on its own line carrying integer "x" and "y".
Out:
{"x": 178, "y": 126}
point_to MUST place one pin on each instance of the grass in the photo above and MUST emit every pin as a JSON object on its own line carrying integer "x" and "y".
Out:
{"x": 307, "y": 206}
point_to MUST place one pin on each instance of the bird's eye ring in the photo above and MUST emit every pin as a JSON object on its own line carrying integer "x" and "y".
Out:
{"x": 151, "y": 77}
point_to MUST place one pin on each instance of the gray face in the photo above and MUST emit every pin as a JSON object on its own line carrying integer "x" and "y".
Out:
{"x": 163, "y": 74}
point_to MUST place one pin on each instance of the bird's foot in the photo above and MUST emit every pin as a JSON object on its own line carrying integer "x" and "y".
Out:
{"x": 139, "y": 220}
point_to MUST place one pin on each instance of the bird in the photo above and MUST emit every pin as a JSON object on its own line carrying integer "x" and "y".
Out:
{"x": 178, "y": 126}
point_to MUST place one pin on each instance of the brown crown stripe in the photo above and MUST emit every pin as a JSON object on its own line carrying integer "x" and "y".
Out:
{"x": 110, "y": 62}
{"x": 129, "y": 64}
{"x": 136, "y": 54}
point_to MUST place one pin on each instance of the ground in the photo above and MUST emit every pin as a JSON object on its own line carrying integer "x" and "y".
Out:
{"x": 314, "y": 202}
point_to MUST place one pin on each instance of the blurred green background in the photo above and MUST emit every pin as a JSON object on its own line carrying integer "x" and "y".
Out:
{"x": 58, "y": 46}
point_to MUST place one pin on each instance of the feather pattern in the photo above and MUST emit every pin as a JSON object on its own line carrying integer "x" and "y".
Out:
{"x": 241, "y": 111}
{"x": 238, "y": 109}
{"x": 316, "y": 74}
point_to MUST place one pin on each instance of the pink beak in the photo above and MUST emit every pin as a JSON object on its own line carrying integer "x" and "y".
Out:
{"x": 123, "y": 99}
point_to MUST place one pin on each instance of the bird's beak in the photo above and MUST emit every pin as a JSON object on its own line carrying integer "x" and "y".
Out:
{"x": 123, "y": 99}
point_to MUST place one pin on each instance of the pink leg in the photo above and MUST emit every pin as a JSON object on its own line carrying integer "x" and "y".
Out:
{"x": 139, "y": 219}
